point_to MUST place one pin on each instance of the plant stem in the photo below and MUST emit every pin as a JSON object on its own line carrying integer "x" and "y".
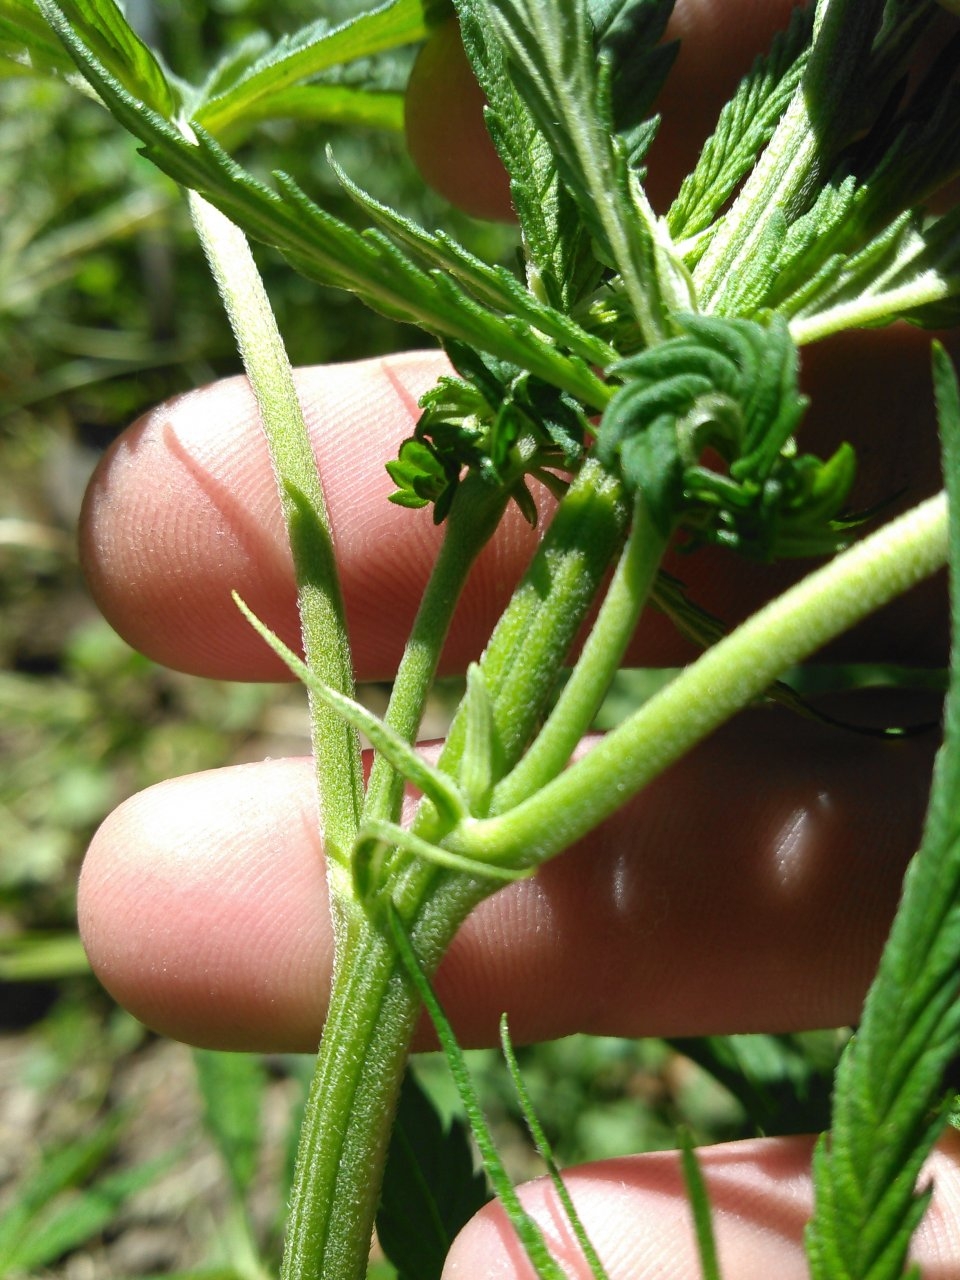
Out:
{"x": 323, "y": 621}
{"x": 363, "y": 1051}
{"x": 474, "y": 516}
{"x": 727, "y": 677}
{"x": 601, "y": 655}
{"x": 373, "y": 1004}
{"x": 531, "y": 641}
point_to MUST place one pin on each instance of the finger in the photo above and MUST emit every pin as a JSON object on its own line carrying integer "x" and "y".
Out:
{"x": 637, "y": 1215}
{"x": 183, "y": 510}
{"x": 770, "y": 859}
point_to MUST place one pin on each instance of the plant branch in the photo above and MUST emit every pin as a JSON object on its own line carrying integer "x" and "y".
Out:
{"x": 602, "y": 653}
{"x": 326, "y": 644}
{"x": 726, "y": 678}
{"x": 474, "y": 516}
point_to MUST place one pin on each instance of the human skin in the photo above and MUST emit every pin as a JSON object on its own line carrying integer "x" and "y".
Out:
{"x": 748, "y": 889}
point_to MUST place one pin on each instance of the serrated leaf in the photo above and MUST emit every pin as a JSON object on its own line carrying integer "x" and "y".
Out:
{"x": 430, "y": 1187}
{"x": 122, "y": 53}
{"x": 915, "y": 151}
{"x": 548, "y": 53}
{"x": 744, "y": 127}
{"x": 910, "y": 271}
{"x": 889, "y": 1105}
{"x": 306, "y": 53}
{"x": 861, "y": 50}
{"x": 320, "y": 245}
{"x": 489, "y": 283}
{"x": 561, "y": 264}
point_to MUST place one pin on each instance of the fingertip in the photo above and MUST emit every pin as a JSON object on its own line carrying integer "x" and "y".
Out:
{"x": 183, "y": 510}
{"x": 637, "y": 1214}
{"x": 218, "y": 943}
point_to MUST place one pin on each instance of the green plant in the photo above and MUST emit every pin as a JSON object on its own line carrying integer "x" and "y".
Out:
{"x": 643, "y": 369}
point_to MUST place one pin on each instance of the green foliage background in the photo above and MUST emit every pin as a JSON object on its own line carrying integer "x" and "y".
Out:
{"x": 106, "y": 309}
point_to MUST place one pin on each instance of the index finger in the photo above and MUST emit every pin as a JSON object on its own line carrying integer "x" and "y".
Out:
{"x": 183, "y": 510}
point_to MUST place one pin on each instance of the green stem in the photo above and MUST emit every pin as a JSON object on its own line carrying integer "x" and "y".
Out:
{"x": 601, "y": 656}
{"x": 365, "y": 1044}
{"x": 727, "y": 677}
{"x": 323, "y": 621}
{"x": 373, "y": 1005}
{"x": 531, "y": 641}
{"x": 474, "y": 516}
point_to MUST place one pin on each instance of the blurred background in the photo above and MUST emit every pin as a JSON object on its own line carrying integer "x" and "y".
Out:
{"x": 122, "y": 1154}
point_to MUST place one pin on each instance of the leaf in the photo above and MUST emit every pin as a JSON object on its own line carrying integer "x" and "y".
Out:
{"x": 306, "y": 53}
{"x": 332, "y": 104}
{"x": 232, "y": 1088}
{"x": 545, "y": 1151}
{"x": 321, "y": 246}
{"x": 491, "y": 284}
{"x": 699, "y": 1201}
{"x": 889, "y": 1095}
{"x": 430, "y": 1187}
{"x": 860, "y": 51}
{"x": 408, "y": 762}
{"x": 549, "y": 55}
{"x": 628, "y": 35}
{"x": 914, "y": 151}
{"x": 561, "y": 264}
{"x": 744, "y": 127}
{"x": 26, "y": 38}
{"x": 782, "y": 1085}
{"x": 63, "y": 1204}
{"x": 59, "y": 1170}
{"x": 67, "y": 1226}
{"x": 730, "y": 385}
{"x": 122, "y": 53}
{"x": 911, "y": 271}
{"x": 863, "y": 254}
{"x": 544, "y": 1265}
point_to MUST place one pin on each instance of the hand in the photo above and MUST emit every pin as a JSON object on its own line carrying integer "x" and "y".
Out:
{"x": 749, "y": 889}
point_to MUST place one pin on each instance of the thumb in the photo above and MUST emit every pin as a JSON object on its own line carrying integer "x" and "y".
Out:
{"x": 638, "y": 1218}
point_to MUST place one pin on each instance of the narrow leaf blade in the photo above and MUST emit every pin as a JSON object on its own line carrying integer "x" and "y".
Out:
{"x": 430, "y": 1187}
{"x": 888, "y": 1107}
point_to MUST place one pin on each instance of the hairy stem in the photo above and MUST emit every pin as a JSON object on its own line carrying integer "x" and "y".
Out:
{"x": 323, "y": 622}
{"x": 533, "y": 637}
{"x": 363, "y": 1051}
{"x": 602, "y": 654}
{"x": 474, "y": 516}
{"x": 727, "y": 677}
